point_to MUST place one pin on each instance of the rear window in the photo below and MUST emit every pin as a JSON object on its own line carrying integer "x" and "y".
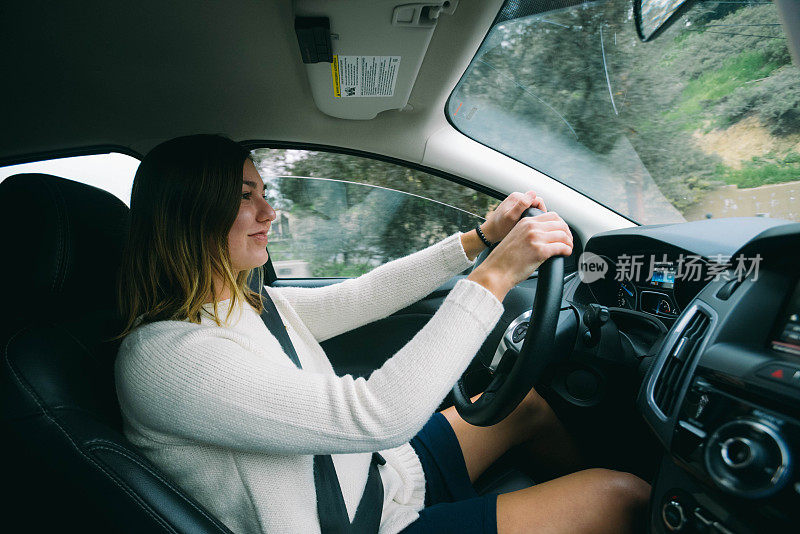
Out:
{"x": 112, "y": 172}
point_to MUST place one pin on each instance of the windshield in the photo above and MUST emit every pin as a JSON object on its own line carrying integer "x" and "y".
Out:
{"x": 702, "y": 122}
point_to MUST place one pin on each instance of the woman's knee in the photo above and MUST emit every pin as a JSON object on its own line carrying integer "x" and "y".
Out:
{"x": 533, "y": 410}
{"x": 627, "y": 491}
{"x": 620, "y": 498}
{"x": 593, "y": 500}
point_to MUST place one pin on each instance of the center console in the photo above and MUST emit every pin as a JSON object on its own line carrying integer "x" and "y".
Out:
{"x": 741, "y": 457}
{"x": 723, "y": 397}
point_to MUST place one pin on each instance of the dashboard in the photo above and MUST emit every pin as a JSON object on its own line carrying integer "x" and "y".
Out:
{"x": 721, "y": 386}
{"x": 700, "y": 322}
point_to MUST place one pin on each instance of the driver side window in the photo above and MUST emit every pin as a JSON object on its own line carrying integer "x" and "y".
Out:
{"x": 340, "y": 215}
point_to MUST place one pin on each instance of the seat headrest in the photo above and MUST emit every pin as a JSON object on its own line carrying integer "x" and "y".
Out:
{"x": 62, "y": 245}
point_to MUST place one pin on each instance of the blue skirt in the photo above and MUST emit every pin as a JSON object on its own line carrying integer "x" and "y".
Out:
{"x": 451, "y": 503}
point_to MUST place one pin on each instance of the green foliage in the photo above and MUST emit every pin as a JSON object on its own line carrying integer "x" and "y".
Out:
{"x": 775, "y": 100}
{"x": 763, "y": 170}
{"x": 708, "y": 44}
{"x": 735, "y": 64}
{"x": 712, "y": 86}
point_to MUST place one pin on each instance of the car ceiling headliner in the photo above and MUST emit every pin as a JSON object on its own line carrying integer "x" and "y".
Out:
{"x": 136, "y": 73}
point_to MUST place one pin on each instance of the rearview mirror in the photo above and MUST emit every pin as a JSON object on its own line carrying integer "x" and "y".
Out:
{"x": 654, "y": 16}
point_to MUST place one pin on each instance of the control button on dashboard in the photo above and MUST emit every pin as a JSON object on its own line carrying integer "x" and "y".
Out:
{"x": 673, "y": 515}
{"x": 779, "y": 372}
{"x": 738, "y": 452}
{"x": 519, "y": 332}
{"x": 790, "y": 335}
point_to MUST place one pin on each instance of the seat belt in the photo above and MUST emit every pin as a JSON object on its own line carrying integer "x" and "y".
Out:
{"x": 332, "y": 511}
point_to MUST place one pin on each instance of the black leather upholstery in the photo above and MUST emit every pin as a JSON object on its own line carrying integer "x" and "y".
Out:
{"x": 69, "y": 466}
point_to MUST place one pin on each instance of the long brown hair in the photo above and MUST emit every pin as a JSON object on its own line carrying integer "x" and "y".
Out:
{"x": 186, "y": 196}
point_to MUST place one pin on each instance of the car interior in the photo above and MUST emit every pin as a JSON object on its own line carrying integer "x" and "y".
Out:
{"x": 690, "y": 382}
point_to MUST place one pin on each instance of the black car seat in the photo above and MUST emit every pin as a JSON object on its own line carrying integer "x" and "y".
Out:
{"x": 68, "y": 464}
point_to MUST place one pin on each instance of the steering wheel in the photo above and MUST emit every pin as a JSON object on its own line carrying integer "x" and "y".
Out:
{"x": 514, "y": 378}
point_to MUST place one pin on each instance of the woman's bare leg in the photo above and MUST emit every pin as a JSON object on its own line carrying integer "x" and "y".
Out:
{"x": 532, "y": 425}
{"x": 590, "y": 501}
{"x": 482, "y": 446}
{"x": 593, "y": 500}
{"x": 551, "y": 451}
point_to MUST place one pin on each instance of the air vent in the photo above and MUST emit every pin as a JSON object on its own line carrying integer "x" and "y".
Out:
{"x": 673, "y": 373}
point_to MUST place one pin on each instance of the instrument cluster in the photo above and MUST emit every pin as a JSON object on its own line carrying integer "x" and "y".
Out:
{"x": 660, "y": 284}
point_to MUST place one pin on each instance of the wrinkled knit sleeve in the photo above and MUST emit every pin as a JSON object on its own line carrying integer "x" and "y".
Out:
{"x": 184, "y": 380}
{"x": 378, "y": 293}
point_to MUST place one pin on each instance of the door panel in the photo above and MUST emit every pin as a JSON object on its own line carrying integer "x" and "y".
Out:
{"x": 361, "y": 351}
{"x": 364, "y": 349}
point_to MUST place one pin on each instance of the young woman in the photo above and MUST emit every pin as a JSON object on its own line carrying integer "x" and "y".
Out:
{"x": 210, "y": 395}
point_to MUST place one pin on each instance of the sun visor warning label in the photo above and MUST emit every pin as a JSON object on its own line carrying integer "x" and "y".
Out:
{"x": 360, "y": 76}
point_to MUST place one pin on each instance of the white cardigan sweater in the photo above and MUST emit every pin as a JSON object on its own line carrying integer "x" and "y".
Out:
{"x": 228, "y": 416}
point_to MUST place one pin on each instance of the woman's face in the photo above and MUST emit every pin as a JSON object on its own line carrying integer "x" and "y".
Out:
{"x": 247, "y": 239}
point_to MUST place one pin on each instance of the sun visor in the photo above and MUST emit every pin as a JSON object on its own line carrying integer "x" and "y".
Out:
{"x": 362, "y": 56}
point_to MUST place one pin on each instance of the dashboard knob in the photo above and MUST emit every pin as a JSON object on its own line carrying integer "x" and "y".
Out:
{"x": 596, "y": 316}
{"x": 739, "y": 452}
{"x": 749, "y": 458}
{"x": 673, "y": 516}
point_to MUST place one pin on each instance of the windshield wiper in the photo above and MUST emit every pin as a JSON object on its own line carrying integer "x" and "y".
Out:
{"x": 605, "y": 68}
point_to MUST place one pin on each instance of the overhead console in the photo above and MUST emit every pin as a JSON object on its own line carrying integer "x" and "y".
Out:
{"x": 363, "y": 56}
{"x": 723, "y": 397}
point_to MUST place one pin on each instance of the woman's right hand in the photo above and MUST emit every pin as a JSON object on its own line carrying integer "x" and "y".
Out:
{"x": 524, "y": 249}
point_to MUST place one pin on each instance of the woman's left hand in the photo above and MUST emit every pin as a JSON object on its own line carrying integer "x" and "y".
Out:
{"x": 500, "y": 221}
